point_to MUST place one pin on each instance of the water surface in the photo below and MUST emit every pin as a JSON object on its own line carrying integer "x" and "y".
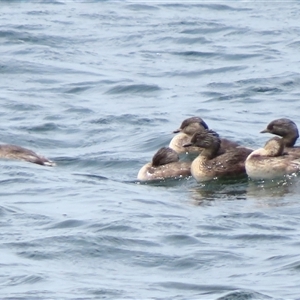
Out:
{"x": 100, "y": 86}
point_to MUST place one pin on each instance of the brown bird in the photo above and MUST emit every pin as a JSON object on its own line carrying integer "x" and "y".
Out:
{"x": 185, "y": 133}
{"x": 20, "y": 153}
{"x": 210, "y": 164}
{"x": 288, "y": 130}
{"x": 270, "y": 161}
{"x": 165, "y": 164}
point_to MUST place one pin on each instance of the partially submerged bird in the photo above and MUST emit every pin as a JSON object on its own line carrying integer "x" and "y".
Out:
{"x": 185, "y": 133}
{"x": 20, "y": 153}
{"x": 211, "y": 164}
{"x": 271, "y": 162}
{"x": 165, "y": 164}
{"x": 288, "y": 130}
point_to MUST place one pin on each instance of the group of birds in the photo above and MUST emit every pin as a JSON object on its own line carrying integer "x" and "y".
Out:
{"x": 208, "y": 156}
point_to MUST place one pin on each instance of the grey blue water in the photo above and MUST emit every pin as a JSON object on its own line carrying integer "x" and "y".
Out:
{"x": 98, "y": 87}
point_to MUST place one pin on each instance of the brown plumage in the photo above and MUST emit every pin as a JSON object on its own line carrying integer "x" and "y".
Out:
{"x": 185, "y": 133}
{"x": 288, "y": 130}
{"x": 20, "y": 153}
{"x": 271, "y": 161}
{"x": 165, "y": 164}
{"x": 211, "y": 164}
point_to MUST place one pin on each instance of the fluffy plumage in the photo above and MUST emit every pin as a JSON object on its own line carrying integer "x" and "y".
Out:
{"x": 271, "y": 161}
{"x": 288, "y": 130}
{"x": 210, "y": 163}
{"x": 165, "y": 164}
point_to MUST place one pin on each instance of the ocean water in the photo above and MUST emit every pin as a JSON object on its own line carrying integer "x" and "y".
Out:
{"x": 99, "y": 86}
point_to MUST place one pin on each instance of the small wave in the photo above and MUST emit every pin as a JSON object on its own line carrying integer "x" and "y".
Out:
{"x": 261, "y": 237}
{"x": 179, "y": 239}
{"x": 92, "y": 176}
{"x": 238, "y": 56}
{"x": 196, "y": 54}
{"x": 244, "y": 295}
{"x": 195, "y": 287}
{"x": 36, "y": 254}
{"x": 66, "y": 224}
{"x": 17, "y": 106}
{"x": 79, "y": 109}
{"x": 103, "y": 292}
{"x": 77, "y": 90}
{"x": 210, "y": 71}
{"x": 122, "y": 242}
{"x": 113, "y": 227}
{"x": 294, "y": 266}
{"x": 266, "y": 89}
{"x": 138, "y": 7}
{"x": 24, "y": 279}
{"x": 218, "y": 7}
{"x": 191, "y": 40}
{"x": 133, "y": 89}
{"x": 43, "y": 127}
{"x": 22, "y": 35}
{"x": 129, "y": 119}
{"x": 295, "y": 44}
{"x": 207, "y": 30}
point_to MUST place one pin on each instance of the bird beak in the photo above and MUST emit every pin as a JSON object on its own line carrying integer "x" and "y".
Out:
{"x": 177, "y": 130}
{"x": 265, "y": 131}
{"x": 187, "y": 145}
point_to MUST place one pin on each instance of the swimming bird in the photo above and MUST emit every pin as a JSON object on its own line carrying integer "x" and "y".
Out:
{"x": 288, "y": 130}
{"x": 165, "y": 164}
{"x": 270, "y": 161}
{"x": 20, "y": 153}
{"x": 186, "y": 131}
{"x": 210, "y": 164}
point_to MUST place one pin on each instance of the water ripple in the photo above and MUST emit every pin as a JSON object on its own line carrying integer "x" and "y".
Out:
{"x": 195, "y": 287}
{"x": 99, "y": 91}
{"x": 133, "y": 88}
{"x": 244, "y": 295}
{"x": 24, "y": 279}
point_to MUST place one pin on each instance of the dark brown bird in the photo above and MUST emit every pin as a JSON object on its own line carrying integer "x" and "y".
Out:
{"x": 210, "y": 164}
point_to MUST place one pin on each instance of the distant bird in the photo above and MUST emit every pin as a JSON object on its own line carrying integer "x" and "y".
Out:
{"x": 288, "y": 130}
{"x": 209, "y": 164}
{"x": 165, "y": 164}
{"x": 20, "y": 153}
{"x": 270, "y": 161}
{"x": 185, "y": 133}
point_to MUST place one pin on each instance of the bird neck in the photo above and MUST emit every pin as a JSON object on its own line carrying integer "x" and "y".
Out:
{"x": 290, "y": 139}
{"x": 209, "y": 153}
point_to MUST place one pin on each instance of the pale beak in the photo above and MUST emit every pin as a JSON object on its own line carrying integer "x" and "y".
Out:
{"x": 265, "y": 131}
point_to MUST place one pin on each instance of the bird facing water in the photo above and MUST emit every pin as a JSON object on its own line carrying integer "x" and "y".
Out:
{"x": 19, "y": 153}
{"x": 165, "y": 164}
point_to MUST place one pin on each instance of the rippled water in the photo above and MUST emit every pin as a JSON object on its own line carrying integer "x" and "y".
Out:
{"x": 99, "y": 87}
